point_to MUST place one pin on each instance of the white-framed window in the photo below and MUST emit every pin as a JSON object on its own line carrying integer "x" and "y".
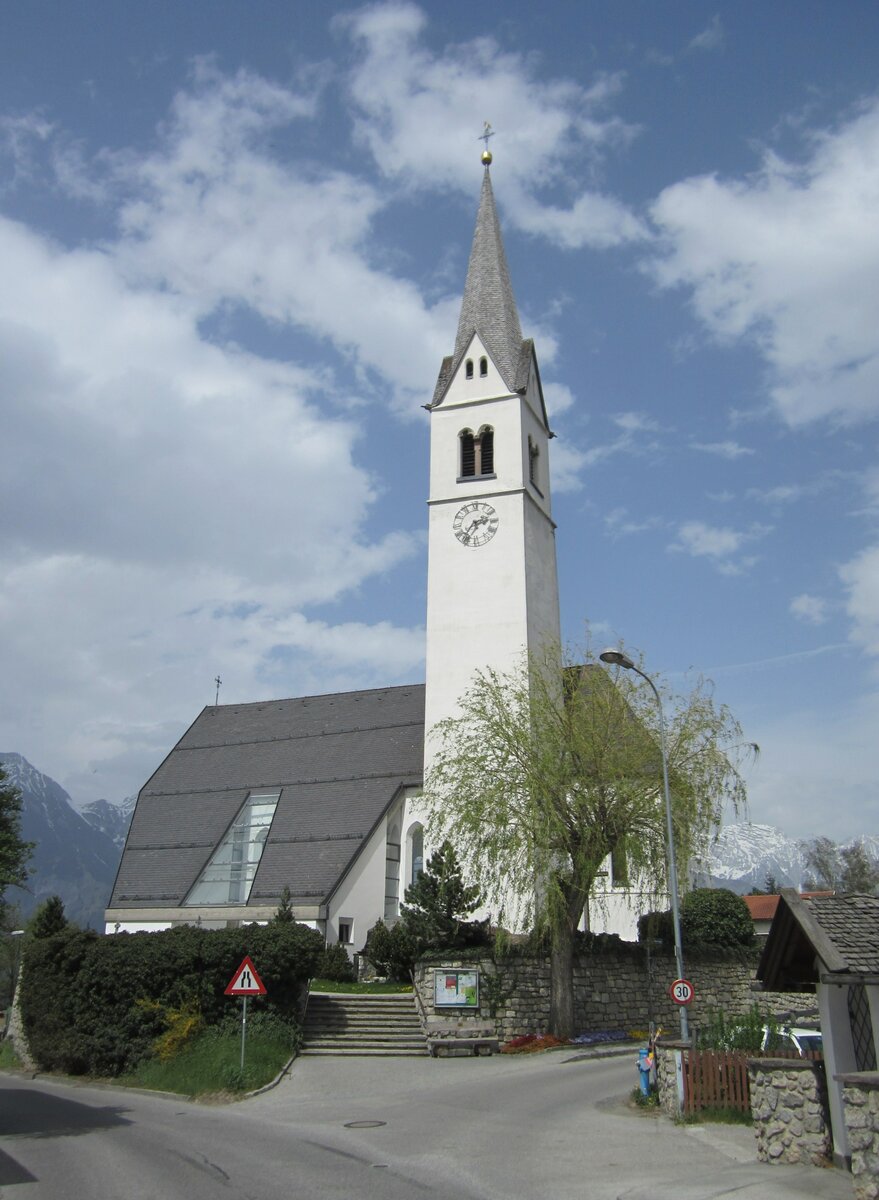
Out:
{"x": 346, "y": 930}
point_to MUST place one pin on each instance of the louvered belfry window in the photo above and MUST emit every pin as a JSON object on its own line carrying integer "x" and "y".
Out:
{"x": 486, "y": 447}
{"x": 477, "y": 453}
{"x": 468, "y": 453}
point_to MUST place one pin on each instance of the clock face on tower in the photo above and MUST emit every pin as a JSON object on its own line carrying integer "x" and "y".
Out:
{"x": 475, "y": 524}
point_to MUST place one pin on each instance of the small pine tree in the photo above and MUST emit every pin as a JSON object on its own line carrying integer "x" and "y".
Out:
{"x": 49, "y": 919}
{"x": 438, "y": 903}
{"x": 284, "y": 913}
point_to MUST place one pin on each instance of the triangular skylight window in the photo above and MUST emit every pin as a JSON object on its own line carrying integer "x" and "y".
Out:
{"x": 228, "y": 877}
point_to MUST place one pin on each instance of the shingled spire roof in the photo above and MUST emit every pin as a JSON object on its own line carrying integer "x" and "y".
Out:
{"x": 489, "y": 307}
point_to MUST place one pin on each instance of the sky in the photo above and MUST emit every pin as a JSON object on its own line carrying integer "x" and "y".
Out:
{"x": 233, "y": 241}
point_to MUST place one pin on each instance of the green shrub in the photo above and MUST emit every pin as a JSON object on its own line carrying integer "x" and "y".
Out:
{"x": 391, "y": 951}
{"x": 716, "y": 916}
{"x": 82, "y": 995}
{"x": 336, "y": 965}
{"x": 721, "y": 1032}
{"x": 657, "y": 926}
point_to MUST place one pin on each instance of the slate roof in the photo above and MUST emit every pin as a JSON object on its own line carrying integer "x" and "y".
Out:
{"x": 489, "y": 306}
{"x": 338, "y": 760}
{"x": 820, "y": 937}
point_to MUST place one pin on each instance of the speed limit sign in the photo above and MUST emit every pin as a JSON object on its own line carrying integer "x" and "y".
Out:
{"x": 682, "y": 991}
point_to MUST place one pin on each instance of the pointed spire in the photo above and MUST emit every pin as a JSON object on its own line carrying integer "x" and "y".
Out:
{"x": 489, "y": 307}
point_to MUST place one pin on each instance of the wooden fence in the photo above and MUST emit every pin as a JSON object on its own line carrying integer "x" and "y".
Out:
{"x": 719, "y": 1079}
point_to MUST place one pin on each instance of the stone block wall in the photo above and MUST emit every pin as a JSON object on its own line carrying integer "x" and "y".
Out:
{"x": 860, "y": 1096}
{"x": 614, "y": 989}
{"x": 789, "y": 1107}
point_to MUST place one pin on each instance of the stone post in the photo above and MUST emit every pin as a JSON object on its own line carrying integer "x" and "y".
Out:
{"x": 860, "y": 1098}
{"x": 790, "y": 1111}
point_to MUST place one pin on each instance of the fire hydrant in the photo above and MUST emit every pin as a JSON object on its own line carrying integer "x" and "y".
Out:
{"x": 645, "y": 1066}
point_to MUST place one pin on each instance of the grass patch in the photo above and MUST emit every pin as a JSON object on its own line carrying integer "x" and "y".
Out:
{"x": 384, "y": 988}
{"x": 651, "y": 1100}
{"x": 9, "y": 1060}
{"x": 211, "y": 1062}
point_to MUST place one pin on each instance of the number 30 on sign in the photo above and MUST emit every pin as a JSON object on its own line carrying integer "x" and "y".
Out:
{"x": 682, "y": 991}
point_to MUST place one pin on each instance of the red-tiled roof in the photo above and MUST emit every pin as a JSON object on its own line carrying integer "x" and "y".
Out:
{"x": 762, "y": 908}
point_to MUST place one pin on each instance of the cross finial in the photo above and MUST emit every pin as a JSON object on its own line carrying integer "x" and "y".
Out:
{"x": 217, "y": 681}
{"x": 487, "y": 132}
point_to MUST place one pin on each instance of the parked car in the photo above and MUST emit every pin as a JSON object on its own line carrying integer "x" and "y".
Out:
{"x": 792, "y": 1037}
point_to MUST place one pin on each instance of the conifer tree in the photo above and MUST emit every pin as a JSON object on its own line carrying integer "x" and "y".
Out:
{"x": 439, "y": 901}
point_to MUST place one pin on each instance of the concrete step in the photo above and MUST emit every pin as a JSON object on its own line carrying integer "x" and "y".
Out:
{"x": 344, "y": 1024}
{"x": 362, "y": 1052}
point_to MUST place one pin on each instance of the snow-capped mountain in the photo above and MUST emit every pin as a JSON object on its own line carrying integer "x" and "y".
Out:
{"x": 111, "y": 819}
{"x": 745, "y": 855}
{"x": 72, "y": 859}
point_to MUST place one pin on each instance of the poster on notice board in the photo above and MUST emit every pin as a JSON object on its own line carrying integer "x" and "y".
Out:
{"x": 455, "y": 989}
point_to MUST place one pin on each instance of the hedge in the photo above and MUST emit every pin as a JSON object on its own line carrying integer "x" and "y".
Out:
{"x": 82, "y": 994}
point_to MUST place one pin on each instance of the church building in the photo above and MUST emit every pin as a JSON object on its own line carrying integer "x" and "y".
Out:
{"x": 320, "y": 794}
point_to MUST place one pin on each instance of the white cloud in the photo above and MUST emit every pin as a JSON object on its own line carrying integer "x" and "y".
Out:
{"x": 409, "y": 97}
{"x": 810, "y": 609}
{"x": 567, "y": 463}
{"x": 559, "y": 398}
{"x": 730, "y": 450}
{"x": 719, "y": 544}
{"x": 172, "y": 504}
{"x": 861, "y": 577}
{"x": 788, "y": 260}
{"x": 618, "y": 523}
{"x": 711, "y": 37}
{"x": 817, "y": 770}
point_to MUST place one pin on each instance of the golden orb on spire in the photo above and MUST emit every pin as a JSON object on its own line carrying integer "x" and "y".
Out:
{"x": 487, "y": 133}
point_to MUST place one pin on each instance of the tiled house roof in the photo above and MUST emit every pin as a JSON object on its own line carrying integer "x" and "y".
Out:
{"x": 820, "y": 938}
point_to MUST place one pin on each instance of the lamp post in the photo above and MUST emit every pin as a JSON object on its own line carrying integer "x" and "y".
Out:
{"x": 618, "y": 659}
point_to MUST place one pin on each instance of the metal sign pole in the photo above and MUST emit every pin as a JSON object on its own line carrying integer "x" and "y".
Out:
{"x": 243, "y": 1031}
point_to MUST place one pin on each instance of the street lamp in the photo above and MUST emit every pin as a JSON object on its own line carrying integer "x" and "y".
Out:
{"x": 618, "y": 659}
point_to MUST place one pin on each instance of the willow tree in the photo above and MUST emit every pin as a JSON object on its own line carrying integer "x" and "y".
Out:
{"x": 545, "y": 772}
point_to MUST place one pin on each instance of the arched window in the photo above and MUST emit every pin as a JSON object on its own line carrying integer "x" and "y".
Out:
{"x": 468, "y": 368}
{"x": 486, "y": 451}
{"x": 468, "y": 454}
{"x": 416, "y": 852}
{"x": 477, "y": 453}
{"x": 483, "y": 367}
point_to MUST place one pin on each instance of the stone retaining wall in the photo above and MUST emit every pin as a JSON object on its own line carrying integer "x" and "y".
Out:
{"x": 860, "y": 1097}
{"x": 789, "y": 1107}
{"x": 614, "y": 989}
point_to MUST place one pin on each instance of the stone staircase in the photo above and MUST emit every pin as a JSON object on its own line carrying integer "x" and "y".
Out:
{"x": 340, "y": 1024}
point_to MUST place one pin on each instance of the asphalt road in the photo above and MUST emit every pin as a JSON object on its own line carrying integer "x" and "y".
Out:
{"x": 502, "y": 1128}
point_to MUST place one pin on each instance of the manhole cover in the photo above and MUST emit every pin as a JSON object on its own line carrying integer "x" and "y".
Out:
{"x": 364, "y": 1124}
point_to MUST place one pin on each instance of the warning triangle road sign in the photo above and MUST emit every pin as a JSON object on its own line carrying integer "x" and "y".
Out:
{"x": 246, "y": 982}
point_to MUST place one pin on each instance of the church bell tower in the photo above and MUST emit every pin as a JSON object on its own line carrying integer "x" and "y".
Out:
{"x": 492, "y": 586}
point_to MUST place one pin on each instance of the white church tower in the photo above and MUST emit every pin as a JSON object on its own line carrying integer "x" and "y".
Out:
{"x": 492, "y": 585}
